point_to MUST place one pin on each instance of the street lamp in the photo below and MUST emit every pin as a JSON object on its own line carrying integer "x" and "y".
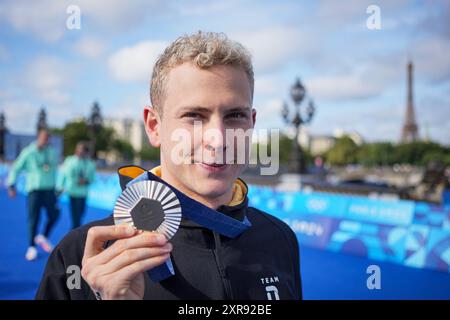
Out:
{"x": 95, "y": 125}
{"x": 42, "y": 119}
{"x": 298, "y": 92}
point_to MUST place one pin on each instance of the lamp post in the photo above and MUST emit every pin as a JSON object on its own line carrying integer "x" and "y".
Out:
{"x": 298, "y": 92}
{"x": 42, "y": 119}
{"x": 95, "y": 125}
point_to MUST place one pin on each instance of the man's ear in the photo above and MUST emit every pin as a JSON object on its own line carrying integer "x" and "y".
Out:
{"x": 152, "y": 124}
{"x": 254, "y": 117}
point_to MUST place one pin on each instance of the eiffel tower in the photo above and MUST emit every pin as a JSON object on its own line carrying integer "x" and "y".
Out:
{"x": 410, "y": 129}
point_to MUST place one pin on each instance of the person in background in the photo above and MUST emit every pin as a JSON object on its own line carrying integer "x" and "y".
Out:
{"x": 77, "y": 173}
{"x": 39, "y": 161}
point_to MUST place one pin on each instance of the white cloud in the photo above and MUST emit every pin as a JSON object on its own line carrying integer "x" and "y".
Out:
{"x": 373, "y": 123}
{"x": 341, "y": 11}
{"x": 22, "y": 114}
{"x": 119, "y": 14}
{"x": 131, "y": 106}
{"x": 14, "y": 113}
{"x": 198, "y": 9}
{"x": 44, "y": 19}
{"x": 269, "y": 84}
{"x": 365, "y": 78}
{"x": 6, "y": 93}
{"x": 351, "y": 13}
{"x": 43, "y": 82}
{"x": 270, "y": 108}
{"x": 274, "y": 47}
{"x": 341, "y": 87}
{"x": 55, "y": 96}
{"x": 433, "y": 115}
{"x": 90, "y": 47}
{"x": 47, "y": 78}
{"x": 268, "y": 114}
{"x": 135, "y": 63}
{"x": 45, "y": 73}
{"x": 432, "y": 59}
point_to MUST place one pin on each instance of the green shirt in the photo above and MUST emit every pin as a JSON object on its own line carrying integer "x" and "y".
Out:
{"x": 71, "y": 171}
{"x": 40, "y": 166}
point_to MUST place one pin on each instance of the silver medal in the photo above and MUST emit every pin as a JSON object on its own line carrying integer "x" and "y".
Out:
{"x": 149, "y": 205}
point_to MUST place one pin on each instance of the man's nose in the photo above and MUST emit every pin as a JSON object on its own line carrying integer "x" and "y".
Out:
{"x": 214, "y": 136}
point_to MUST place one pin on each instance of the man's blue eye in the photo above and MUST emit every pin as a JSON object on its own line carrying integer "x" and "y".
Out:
{"x": 237, "y": 115}
{"x": 192, "y": 115}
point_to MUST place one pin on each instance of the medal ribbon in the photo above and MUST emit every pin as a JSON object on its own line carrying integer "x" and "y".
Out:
{"x": 199, "y": 213}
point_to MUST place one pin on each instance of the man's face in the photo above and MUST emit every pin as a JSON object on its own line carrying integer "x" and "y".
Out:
{"x": 218, "y": 99}
{"x": 81, "y": 150}
{"x": 42, "y": 139}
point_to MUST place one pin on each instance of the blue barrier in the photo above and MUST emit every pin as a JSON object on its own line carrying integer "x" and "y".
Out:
{"x": 414, "y": 234}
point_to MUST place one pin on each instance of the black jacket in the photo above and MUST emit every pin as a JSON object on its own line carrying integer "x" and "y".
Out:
{"x": 261, "y": 263}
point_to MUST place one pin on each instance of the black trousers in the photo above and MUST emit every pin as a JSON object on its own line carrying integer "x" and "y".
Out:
{"x": 37, "y": 200}
{"x": 77, "y": 208}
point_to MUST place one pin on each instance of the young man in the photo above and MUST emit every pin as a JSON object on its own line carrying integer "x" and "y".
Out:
{"x": 76, "y": 174}
{"x": 39, "y": 161}
{"x": 202, "y": 79}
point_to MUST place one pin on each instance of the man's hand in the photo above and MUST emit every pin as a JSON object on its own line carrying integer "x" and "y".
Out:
{"x": 12, "y": 192}
{"x": 117, "y": 271}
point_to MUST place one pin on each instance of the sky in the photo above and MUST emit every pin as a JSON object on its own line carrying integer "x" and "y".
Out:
{"x": 355, "y": 75}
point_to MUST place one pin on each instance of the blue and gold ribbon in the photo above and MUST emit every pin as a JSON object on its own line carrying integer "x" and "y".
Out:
{"x": 198, "y": 213}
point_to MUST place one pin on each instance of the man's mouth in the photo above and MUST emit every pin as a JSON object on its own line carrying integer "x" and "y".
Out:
{"x": 212, "y": 167}
{"x": 213, "y": 164}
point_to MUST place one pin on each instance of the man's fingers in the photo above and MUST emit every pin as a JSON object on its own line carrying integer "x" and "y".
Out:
{"x": 131, "y": 256}
{"x": 97, "y": 236}
{"x": 143, "y": 240}
{"x": 133, "y": 270}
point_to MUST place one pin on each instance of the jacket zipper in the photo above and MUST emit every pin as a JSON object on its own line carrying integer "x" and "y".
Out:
{"x": 225, "y": 280}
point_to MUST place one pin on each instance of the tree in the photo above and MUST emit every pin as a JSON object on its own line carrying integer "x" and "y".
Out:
{"x": 376, "y": 154}
{"x": 76, "y": 131}
{"x": 418, "y": 153}
{"x": 73, "y": 132}
{"x": 149, "y": 153}
{"x": 385, "y": 154}
{"x": 104, "y": 140}
{"x": 124, "y": 149}
{"x": 343, "y": 152}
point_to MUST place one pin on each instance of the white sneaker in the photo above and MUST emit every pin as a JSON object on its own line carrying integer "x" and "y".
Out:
{"x": 43, "y": 243}
{"x": 31, "y": 254}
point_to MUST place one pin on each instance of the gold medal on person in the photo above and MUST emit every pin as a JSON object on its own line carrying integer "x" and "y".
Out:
{"x": 45, "y": 167}
{"x": 149, "y": 205}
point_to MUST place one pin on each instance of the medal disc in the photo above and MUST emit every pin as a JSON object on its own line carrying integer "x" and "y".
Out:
{"x": 149, "y": 205}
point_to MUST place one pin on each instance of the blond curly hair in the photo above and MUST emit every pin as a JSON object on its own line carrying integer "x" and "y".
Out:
{"x": 204, "y": 50}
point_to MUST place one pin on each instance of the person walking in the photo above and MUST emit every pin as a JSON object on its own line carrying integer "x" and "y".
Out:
{"x": 76, "y": 175}
{"x": 39, "y": 161}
